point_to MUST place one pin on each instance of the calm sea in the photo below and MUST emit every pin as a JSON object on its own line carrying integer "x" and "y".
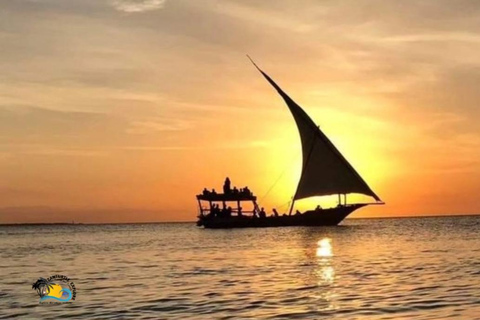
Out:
{"x": 421, "y": 268}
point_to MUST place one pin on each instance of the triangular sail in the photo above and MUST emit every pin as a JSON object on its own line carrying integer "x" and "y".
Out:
{"x": 325, "y": 171}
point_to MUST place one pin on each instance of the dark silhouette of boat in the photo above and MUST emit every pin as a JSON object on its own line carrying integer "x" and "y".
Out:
{"x": 324, "y": 172}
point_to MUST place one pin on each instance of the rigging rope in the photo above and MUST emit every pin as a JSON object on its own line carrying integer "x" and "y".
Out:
{"x": 286, "y": 205}
{"x": 295, "y": 157}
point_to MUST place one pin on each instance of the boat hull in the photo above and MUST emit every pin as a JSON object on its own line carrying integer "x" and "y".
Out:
{"x": 323, "y": 217}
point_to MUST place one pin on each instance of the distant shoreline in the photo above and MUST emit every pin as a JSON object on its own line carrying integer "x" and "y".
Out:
{"x": 189, "y": 222}
{"x": 87, "y": 223}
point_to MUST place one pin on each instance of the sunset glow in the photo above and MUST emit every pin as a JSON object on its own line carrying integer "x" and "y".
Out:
{"x": 118, "y": 111}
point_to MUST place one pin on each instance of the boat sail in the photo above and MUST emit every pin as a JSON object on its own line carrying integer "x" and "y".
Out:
{"x": 325, "y": 171}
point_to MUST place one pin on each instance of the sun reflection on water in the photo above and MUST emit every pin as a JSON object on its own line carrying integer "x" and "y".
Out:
{"x": 325, "y": 275}
{"x": 324, "y": 248}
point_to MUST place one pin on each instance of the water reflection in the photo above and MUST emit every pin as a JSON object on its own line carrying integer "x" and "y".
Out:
{"x": 324, "y": 269}
{"x": 325, "y": 274}
{"x": 324, "y": 248}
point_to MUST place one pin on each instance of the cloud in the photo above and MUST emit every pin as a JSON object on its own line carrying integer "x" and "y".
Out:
{"x": 144, "y": 127}
{"x": 61, "y": 151}
{"x": 29, "y": 124}
{"x": 134, "y": 6}
{"x": 239, "y": 144}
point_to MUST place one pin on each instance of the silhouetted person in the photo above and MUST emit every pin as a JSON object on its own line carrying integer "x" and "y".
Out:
{"x": 226, "y": 186}
{"x": 297, "y": 213}
{"x": 235, "y": 190}
{"x": 229, "y": 212}
{"x": 205, "y": 191}
{"x": 213, "y": 191}
{"x": 275, "y": 213}
{"x": 240, "y": 211}
{"x": 262, "y": 213}
{"x": 213, "y": 210}
{"x": 247, "y": 191}
{"x": 223, "y": 213}
{"x": 318, "y": 208}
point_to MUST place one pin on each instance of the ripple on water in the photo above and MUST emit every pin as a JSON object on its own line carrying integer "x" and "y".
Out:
{"x": 377, "y": 269}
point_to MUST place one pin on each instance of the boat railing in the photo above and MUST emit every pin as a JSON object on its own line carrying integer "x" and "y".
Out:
{"x": 226, "y": 197}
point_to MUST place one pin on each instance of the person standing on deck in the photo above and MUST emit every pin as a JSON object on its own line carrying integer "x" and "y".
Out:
{"x": 226, "y": 186}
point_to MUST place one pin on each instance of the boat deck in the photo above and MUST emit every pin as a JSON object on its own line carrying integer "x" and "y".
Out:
{"x": 322, "y": 217}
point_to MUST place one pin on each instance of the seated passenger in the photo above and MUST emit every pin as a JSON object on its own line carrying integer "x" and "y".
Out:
{"x": 297, "y": 213}
{"x": 213, "y": 210}
{"x": 213, "y": 191}
{"x": 275, "y": 213}
{"x": 205, "y": 191}
{"x": 240, "y": 211}
{"x": 318, "y": 208}
{"x": 262, "y": 213}
{"x": 224, "y": 212}
{"x": 235, "y": 190}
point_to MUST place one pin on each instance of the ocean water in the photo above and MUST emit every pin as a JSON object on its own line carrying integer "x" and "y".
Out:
{"x": 419, "y": 268}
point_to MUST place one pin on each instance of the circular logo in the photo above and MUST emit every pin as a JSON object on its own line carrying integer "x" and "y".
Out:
{"x": 55, "y": 289}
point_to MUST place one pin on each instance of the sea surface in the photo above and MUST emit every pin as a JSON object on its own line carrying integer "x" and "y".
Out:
{"x": 416, "y": 268}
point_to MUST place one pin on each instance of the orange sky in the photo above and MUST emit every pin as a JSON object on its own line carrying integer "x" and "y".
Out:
{"x": 122, "y": 110}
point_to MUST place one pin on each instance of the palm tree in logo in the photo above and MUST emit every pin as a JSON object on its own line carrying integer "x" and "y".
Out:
{"x": 43, "y": 287}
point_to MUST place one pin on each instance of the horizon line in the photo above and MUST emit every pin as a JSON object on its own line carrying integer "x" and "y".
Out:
{"x": 163, "y": 222}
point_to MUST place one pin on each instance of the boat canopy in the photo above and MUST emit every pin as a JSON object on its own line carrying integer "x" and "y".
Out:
{"x": 226, "y": 197}
{"x": 325, "y": 171}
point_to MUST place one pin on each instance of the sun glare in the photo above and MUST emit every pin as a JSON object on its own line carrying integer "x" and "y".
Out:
{"x": 324, "y": 248}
